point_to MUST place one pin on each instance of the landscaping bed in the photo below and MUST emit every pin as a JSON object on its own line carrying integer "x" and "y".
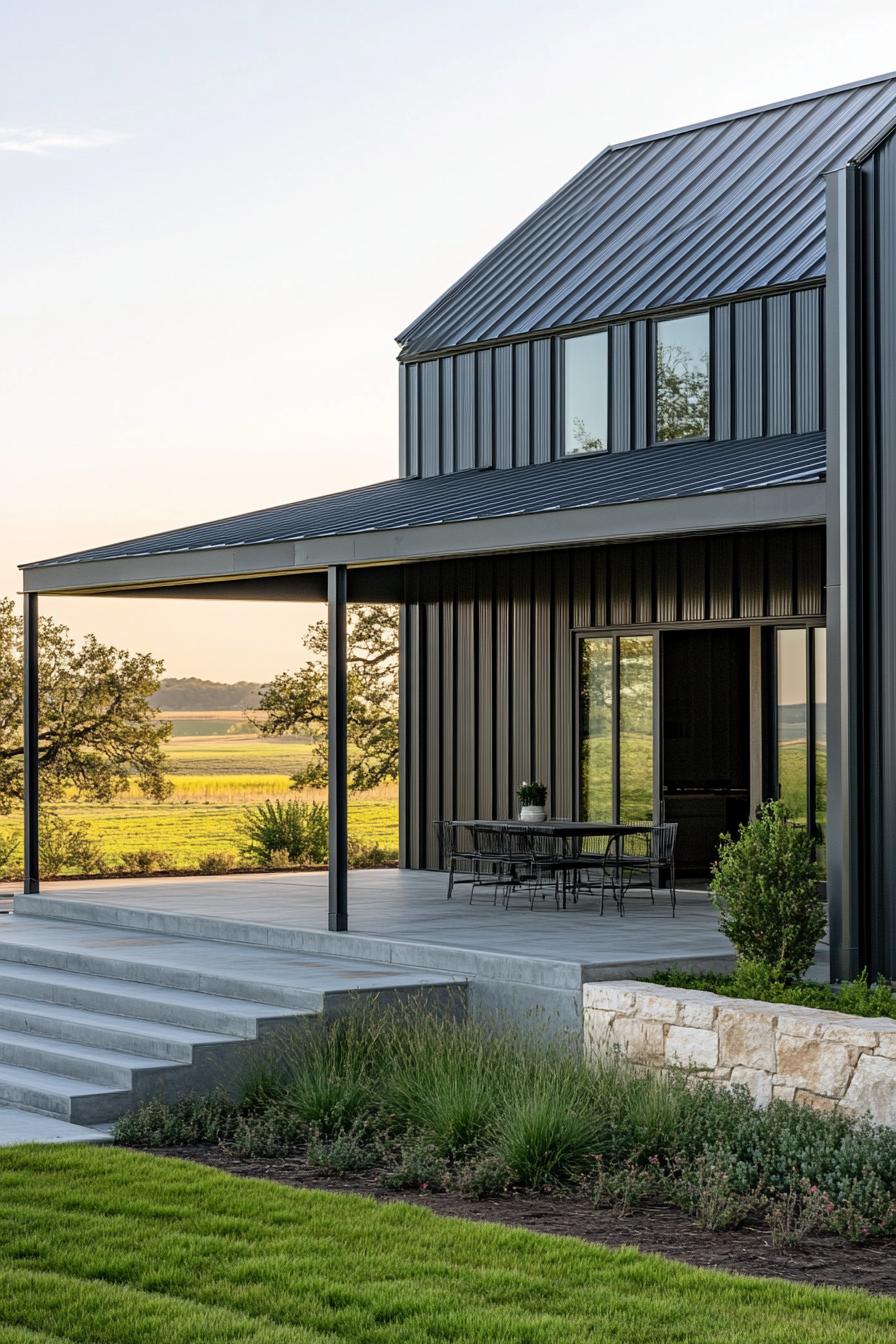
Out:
{"x": 820, "y": 1259}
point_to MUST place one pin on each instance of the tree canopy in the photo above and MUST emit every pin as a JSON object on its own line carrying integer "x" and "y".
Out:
{"x": 297, "y": 701}
{"x": 97, "y": 730}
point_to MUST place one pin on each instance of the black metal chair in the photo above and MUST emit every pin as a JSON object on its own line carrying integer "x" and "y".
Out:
{"x": 632, "y": 859}
{"x": 534, "y": 861}
{"x": 582, "y": 867}
{"x": 453, "y": 856}
{"x": 492, "y": 863}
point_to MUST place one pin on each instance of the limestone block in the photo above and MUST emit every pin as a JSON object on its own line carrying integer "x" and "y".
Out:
{"x": 607, "y": 995}
{"x": 598, "y": 1026}
{"x": 781, "y": 1093}
{"x": 860, "y": 1038}
{"x": 886, "y": 1043}
{"x": 656, "y": 1007}
{"x": 804, "y": 1022}
{"x": 873, "y": 1090}
{"x": 746, "y": 1039}
{"x": 641, "y": 1042}
{"x": 692, "y": 1047}
{"x": 698, "y": 1013}
{"x": 757, "y": 1082}
{"x": 805, "y": 1098}
{"x": 821, "y": 1067}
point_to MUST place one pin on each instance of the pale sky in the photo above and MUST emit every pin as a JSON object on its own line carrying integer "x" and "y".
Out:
{"x": 218, "y": 213}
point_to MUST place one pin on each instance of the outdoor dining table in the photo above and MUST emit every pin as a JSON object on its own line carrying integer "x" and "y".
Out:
{"x": 559, "y": 827}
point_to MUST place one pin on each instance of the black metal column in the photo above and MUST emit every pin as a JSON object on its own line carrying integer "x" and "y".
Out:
{"x": 337, "y": 746}
{"x": 30, "y": 736}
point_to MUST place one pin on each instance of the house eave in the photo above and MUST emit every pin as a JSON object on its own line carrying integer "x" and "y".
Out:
{"x": 161, "y": 574}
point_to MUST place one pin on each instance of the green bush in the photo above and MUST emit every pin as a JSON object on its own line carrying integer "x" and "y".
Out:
{"x": 9, "y": 848}
{"x": 753, "y": 981}
{"x": 765, "y": 887}
{"x": 219, "y": 861}
{"x": 275, "y": 828}
{"x": 146, "y": 861}
{"x": 66, "y": 846}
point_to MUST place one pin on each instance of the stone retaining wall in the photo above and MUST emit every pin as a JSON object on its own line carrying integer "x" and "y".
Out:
{"x": 824, "y": 1059}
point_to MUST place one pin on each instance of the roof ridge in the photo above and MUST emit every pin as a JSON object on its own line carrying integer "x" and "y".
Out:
{"x": 752, "y": 111}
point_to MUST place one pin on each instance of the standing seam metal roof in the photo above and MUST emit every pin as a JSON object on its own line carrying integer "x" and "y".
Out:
{"x": 665, "y": 472}
{"x": 715, "y": 209}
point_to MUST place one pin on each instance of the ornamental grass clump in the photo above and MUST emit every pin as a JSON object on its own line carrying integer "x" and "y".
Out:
{"x": 765, "y": 885}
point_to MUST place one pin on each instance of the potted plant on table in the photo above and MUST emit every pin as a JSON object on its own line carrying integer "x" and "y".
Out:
{"x": 533, "y": 797}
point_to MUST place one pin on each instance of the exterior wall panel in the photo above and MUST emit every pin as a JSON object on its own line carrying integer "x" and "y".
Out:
{"x": 502, "y": 406}
{"x": 489, "y": 673}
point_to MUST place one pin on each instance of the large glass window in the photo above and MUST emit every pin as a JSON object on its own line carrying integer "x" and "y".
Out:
{"x": 617, "y": 727}
{"x": 586, "y": 395}
{"x": 682, "y": 378}
{"x": 801, "y": 717}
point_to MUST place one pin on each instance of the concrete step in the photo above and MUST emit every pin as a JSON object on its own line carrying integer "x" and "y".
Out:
{"x": 68, "y": 1099}
{"x": 89, "y": 1063}
{"x": 129, "y": 1034}
{"x": 116, "y": 998}
{"x": 17, "y": 1126}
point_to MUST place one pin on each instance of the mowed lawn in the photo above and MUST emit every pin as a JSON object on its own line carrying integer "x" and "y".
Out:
{"x": 103, "y": 1246}
{"x": 215, "y": 776}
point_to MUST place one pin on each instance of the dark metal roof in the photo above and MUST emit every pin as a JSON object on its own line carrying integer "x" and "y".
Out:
{"x": 669, "y": 472}
{"x": 727, "y": 206}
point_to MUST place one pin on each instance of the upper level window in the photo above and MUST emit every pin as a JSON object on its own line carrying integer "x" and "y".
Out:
{"x": 586, "y": 397}
{"x": 682, "y": 378}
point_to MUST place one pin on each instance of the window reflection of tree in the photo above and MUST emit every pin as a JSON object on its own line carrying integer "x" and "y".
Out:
{"x": 682, "y": 393}
{"x": 584, "y": 441}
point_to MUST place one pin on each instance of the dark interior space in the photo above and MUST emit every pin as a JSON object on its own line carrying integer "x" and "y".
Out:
{"x": 705, "y": 739}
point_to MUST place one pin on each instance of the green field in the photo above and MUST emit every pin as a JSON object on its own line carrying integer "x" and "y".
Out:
{"x": 215, "y": 777}
{"x": 102, "y": 1244}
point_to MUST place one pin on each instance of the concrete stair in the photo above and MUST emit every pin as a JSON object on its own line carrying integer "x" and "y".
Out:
{"x": 95, "y": 1020}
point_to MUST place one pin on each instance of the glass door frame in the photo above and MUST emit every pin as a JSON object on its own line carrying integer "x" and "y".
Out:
{"x": 615, "y": 634}
{"x": 809, "y": 626}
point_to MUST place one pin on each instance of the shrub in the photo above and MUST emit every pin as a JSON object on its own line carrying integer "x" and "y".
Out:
{"x": 160, "y": 1124}
{"x": 362, "y": 855}
{"x": 66, "y": 846}
{"x": 765, "y": 886}
{"x": 623, "y": 1186}
{"x": 544, "y": 1135}
{"x": 9, "y": 847}
{"x": 349, "y": 1150}
{"x": 274, "y": 828}
{"x": 220, "y": 861}
{"x": 752, "y": 981}
{"x": 269, "y": 1134}
{"x": 708, "y": 1189}
{"x": 146, "y": 861}
{"x": 420, "y": 1167}
{"x": 481, "y": 1177}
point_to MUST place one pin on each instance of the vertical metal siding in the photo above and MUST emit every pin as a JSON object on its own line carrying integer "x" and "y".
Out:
{"x": 640, "y": 385}
{"x": 808, "y": 347}
{"x": 485, "y": 435}
{"x": 542, "y": 402}
{"x": 488, "y": 676}
{"x": 748, "y": 398}
{"x": 503, "y": 406}
{"x": 720, "y": 370}
{"x": 778, "y": 364}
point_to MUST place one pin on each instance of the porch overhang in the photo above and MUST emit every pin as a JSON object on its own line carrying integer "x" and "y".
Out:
{"x": 295, "y": 570}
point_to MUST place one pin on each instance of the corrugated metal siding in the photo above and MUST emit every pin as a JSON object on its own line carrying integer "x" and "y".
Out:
{"x": 491, "y": 676}
{"x": 766, "y": 379}
{"x": 717, "y": 209}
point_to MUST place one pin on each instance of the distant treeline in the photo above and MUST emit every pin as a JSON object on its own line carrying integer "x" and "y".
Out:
{"x": 195, "y": 693}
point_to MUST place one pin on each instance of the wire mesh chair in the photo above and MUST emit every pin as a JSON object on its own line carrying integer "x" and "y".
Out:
{"x": 634, "y": 857}
{"x": 456, "y": 853}
{"x": 492, "y": 865}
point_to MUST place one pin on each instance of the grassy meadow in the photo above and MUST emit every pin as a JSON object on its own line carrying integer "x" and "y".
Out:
{"x": 218, "y": 765}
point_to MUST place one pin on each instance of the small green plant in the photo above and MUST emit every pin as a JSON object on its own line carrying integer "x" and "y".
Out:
{"x": 765, "y": 887}
{"x": 9, "y": 848}
{"x": 532, "y": 794}
{"x": 481, "y": 1177}
{"x": 272, "y": 1133}
{"x": 708, "y": 1190}
{"x": 274, "y": 828}
{"x": 361, "y": 855}
{"x": 146, "y": 861}
{"x": 349, "y": 1150}
{"x": 798, "y": 1212}
{"x": 622, "y": 1186}
{"x": 220, "y": 861}
{"x": 66, "y": 846}
{"x": 160, "y": 1124}
{"x": 420, "y": 1167}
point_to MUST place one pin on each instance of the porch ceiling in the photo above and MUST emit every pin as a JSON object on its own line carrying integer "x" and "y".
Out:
{"x": 281, "y": 553}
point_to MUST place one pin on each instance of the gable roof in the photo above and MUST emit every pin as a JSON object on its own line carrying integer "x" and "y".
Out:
{"x": 726, "y": 206}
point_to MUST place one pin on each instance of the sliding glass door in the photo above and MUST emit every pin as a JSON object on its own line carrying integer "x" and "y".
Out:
{"x": 617, "y": 730}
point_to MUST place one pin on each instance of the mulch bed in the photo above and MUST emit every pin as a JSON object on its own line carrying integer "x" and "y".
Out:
{"x": 819, "y": 1260}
